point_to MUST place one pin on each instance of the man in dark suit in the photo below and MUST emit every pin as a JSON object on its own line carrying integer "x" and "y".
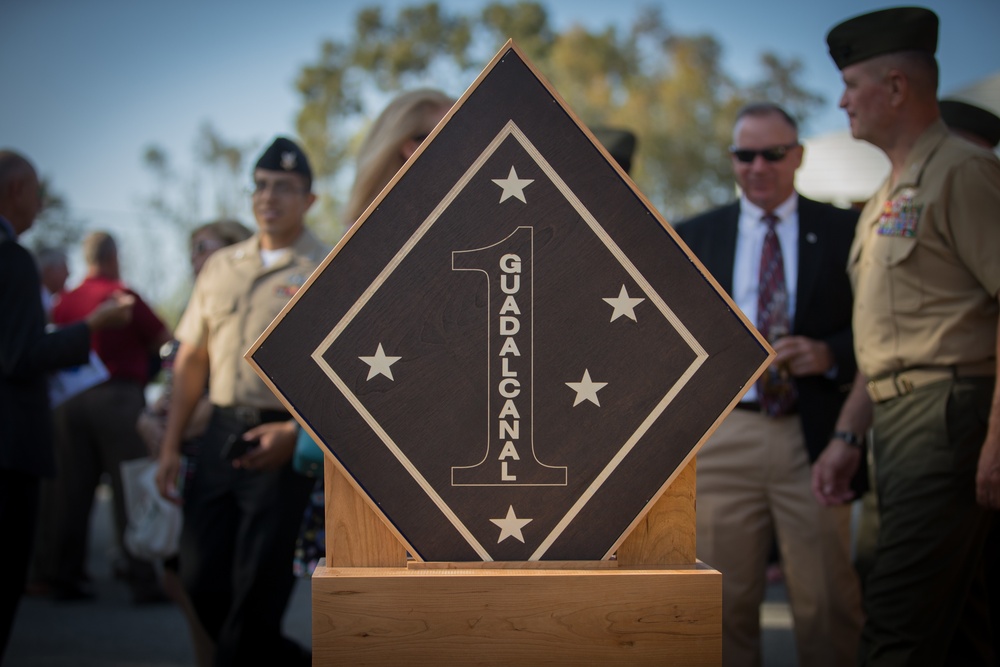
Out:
{"x": 27, "y": 355}
{"x": 782, "y": 258}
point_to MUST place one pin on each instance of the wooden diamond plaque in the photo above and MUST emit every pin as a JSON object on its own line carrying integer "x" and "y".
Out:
{"x": 511, "y": 352}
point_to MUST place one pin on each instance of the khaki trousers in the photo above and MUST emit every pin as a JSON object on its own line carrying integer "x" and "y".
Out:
{"x": 754, "y": 485}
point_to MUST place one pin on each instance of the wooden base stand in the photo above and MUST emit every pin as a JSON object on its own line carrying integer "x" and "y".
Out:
{"x": 654, "y": 605}
{"x": 400, "y": 616}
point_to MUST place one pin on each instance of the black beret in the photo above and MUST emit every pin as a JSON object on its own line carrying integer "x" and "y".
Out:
{"x": 881, "y": 32}
{"x": 620, "y": 143}
{"x": 285, "y": 155}
{"x": 972, "y": 119}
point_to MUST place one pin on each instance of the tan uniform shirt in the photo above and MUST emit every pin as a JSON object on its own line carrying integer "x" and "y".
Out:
{"x": 925, "y": 263}
{"x": 235, "y": 299}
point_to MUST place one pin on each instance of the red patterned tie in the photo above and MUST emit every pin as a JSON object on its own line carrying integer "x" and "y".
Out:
{"x": 775, "y": 388}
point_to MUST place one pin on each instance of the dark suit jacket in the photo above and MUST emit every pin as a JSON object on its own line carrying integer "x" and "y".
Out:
{"x": 27, "y": 355}
{"x": 823, "y": 299}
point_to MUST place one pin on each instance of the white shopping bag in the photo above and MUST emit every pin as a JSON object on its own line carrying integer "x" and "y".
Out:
{"x": 154, "y": 523}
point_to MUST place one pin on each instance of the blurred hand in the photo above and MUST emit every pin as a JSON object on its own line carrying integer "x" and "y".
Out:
{"x": 277, "y": 444}
{"x": 151, "y": 426}
{"x": 167, "y": 473}
{"x": 833, "y": 471}
{"x": 988, "y": 474}
{"x": 802, "y": 356}
{"x": 112, "y": 313}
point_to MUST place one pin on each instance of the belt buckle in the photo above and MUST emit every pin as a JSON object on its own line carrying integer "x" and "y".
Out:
{"x": 903, "y": 384}
{"x": 247, "y": 415}
{"x": 873, "y": 391}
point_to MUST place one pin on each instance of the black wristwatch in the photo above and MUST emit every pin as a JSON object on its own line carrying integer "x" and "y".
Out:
{"x": 853, "y": 439}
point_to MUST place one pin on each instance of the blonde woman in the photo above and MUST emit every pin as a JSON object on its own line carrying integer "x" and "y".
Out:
{"x": 392, "y": 139}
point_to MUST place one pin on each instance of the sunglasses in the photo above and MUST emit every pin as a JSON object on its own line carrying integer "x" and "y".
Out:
{"x": 771, "y": 154}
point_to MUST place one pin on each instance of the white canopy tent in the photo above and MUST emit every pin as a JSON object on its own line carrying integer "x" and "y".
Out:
{"x": 839, "y": 169}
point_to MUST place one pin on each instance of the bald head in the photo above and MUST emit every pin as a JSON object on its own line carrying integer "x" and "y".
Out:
{"x": 20, "y": 191}
{"x": 54, "y": 269}
{"x": 100, "y": 252}
{"x": 13, "y": 165}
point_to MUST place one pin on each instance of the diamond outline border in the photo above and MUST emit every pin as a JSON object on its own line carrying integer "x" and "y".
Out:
{"x": 510, "y": 129}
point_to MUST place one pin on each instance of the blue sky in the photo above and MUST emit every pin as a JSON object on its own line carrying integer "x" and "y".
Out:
{"x": 88, "y": 84}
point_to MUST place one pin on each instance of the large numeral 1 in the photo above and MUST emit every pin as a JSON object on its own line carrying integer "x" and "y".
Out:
{"x": 510, "y": 450}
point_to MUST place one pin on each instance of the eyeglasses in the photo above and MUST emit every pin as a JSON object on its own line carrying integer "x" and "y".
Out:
{"x": 771, "y": 153}
{"x": 278, "y": 188}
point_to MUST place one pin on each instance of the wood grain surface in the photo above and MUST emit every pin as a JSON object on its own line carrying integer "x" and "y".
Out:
{"x": 390, "y": 616}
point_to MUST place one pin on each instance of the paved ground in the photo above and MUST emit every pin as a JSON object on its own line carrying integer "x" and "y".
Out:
{"x": 110, "y": 632}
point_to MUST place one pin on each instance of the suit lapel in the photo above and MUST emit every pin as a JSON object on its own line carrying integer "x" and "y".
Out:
{"x": 722, "y": 249}
{"x": 810, "y": 256}
{"x": 5, "y": 234}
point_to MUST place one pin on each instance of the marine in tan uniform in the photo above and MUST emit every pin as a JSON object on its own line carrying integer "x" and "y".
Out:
{"x": 982, "y": 128}
{"x": 244, "y": 504}
{"x": 971, "y": 122}
{"x": 926, "y": 283}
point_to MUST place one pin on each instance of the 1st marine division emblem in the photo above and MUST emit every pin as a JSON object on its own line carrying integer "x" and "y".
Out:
{"x": 511, "y": 354}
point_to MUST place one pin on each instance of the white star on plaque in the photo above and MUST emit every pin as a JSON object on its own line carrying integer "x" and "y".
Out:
{"x": 380, "y": 364}
{"x": 586, "y": 389}
{"x": 513, "y": 186}
{"x": 510, "y": 526}
{"x": 623, "y": 304}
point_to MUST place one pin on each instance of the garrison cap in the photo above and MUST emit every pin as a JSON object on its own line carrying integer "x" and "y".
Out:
{"x": 620, "y": 143}
{"x": 975, "y": 120}
{"x": 285, "y": 155}
{"x": 885, "y": 31}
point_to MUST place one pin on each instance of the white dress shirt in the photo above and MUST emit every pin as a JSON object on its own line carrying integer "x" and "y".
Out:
{"x": 749, "y": 245}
